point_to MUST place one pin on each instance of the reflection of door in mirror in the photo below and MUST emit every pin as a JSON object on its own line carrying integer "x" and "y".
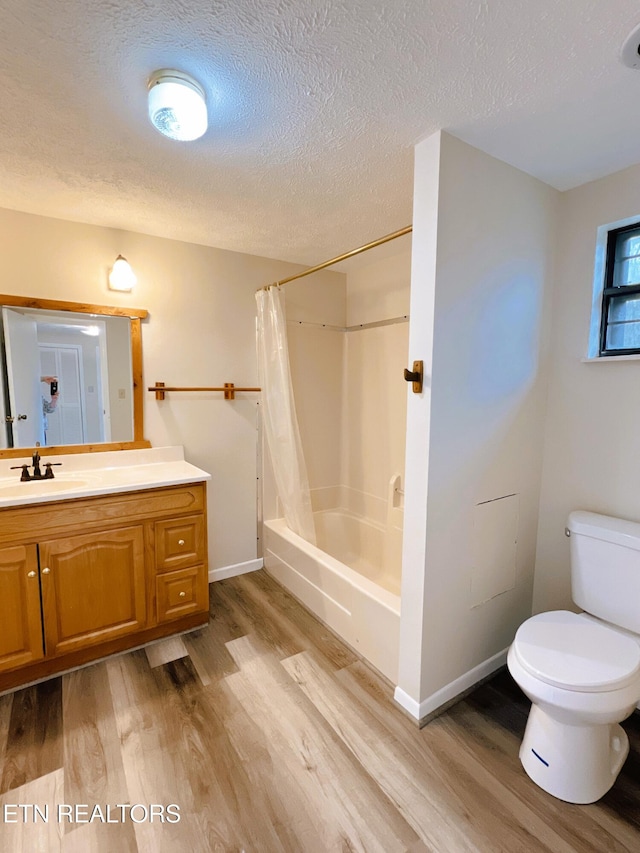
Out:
{"x": 23, "y": 371}
{"x": 64, "y": 422}
{"x": 90, "y": 357}
{"x": 76, "y": 354}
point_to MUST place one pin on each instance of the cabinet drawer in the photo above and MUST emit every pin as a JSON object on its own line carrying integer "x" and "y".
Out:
{"x": 179, "y": 543}
{"x": 181, "y": 593}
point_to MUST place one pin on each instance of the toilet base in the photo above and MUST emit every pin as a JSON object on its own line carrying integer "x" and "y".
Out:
{"x": 577, "y": 764}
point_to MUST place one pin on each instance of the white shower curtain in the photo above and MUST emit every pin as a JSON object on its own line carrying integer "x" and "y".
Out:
{"x": 279, "y": 414}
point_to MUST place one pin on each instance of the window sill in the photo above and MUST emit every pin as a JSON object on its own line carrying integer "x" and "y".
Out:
{"x": 599, "y": 359}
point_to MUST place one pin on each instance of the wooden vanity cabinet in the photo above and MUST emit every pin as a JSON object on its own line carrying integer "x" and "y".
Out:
{"x": 84, "y": 578}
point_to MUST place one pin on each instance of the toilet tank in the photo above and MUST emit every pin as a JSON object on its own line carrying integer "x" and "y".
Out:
{"x": 605, "y": 567}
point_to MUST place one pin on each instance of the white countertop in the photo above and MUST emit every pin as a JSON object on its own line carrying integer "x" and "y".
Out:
{"x": 83, "y": 475}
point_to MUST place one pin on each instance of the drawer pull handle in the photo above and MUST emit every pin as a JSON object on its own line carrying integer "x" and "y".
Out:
{"x": 31, "y": 574}
{"x": 46, "y": 571}
{"x": 183, "y": 594}
{"x": 180, "y": 541}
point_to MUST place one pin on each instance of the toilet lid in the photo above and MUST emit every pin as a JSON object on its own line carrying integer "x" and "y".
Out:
{"x": 568, "y": 650}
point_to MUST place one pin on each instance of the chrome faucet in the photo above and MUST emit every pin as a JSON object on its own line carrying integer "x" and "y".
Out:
{"x": 25, "y": 477}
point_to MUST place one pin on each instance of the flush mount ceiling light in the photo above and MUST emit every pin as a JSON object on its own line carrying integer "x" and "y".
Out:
{"x": 630, "y": 53}
{"x": 177, "y": 106}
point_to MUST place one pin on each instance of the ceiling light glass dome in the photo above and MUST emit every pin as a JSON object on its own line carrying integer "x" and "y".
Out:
{"x": 177, "y": 107}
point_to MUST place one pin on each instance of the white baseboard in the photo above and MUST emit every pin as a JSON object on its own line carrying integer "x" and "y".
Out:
{"x": 235, "y": 570}
{"x": 405, "y": 701}
{"x": 452, "y": 691}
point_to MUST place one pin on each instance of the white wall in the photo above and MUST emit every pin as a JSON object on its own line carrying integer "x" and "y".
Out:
{"x": 201, "y": 331}
{"x": 482, "y": 273}
{"x": 592, "y": 444}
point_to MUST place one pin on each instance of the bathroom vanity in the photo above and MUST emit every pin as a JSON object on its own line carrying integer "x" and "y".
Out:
{"x": 109, "y": 555}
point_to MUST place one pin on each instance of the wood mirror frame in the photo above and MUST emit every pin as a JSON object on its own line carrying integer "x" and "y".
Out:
{"x": 135, "y": 315}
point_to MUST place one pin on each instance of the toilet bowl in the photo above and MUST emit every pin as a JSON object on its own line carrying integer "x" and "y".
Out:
{"x": 583, "y": 679}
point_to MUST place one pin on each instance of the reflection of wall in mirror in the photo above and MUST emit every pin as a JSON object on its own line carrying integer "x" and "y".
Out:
{"x": 120, "y": 386}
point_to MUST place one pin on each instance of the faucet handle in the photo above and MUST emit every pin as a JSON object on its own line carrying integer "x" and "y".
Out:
{"x": 25, "y": 477}
{"x": 48, "y": 473}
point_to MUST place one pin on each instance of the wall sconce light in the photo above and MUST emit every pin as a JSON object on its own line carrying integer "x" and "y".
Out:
{"x": 177, "y": 107}
{"x": 121, "y": 277}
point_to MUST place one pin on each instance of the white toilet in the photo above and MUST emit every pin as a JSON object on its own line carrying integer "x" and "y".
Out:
{"x": 582, "y": 671}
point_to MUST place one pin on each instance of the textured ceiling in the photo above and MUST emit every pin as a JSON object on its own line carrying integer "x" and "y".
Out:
{"x": 314, "y": 109}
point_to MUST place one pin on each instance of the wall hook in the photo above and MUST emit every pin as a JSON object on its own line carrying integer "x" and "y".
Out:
{"x": 415, "y": 376}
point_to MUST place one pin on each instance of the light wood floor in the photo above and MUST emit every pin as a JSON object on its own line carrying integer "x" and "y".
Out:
{"x": 272, "y": 736}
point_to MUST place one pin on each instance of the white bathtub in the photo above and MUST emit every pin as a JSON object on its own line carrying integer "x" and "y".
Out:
{"x": 347, "y": 580}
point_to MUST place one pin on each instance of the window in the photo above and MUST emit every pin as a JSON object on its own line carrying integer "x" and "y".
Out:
{"x": 620, "y": 324}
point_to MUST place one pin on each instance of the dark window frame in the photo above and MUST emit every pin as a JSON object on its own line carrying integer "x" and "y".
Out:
{"x": 610, "y": 292}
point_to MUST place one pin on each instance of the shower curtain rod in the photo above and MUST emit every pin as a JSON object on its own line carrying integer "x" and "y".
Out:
{"x": 343, "y": 257}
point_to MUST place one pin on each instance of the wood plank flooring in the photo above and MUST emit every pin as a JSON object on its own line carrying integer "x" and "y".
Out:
{"x": 270, "y": 735}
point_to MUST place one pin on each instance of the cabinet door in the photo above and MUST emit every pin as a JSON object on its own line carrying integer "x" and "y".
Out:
{"x": 20, "y": 620}
{"x": 93, "y": 588}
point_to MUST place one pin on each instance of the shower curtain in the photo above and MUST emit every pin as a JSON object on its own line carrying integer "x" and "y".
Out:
{"x": 279, "y": 414}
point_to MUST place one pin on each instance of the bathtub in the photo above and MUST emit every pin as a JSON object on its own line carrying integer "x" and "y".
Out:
{"x": 347, "y": 580}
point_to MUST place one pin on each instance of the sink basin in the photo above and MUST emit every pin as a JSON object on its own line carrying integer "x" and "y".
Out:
{"x": 34, "y": 488}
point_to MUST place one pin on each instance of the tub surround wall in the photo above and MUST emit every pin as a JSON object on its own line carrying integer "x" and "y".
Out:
{"x": 201, "y": 331}
{"x": 374, "y": 407}
{"x": 481, "y": 279}
{"x": 315, "y": 314}
{"x": 374, "y": 411}
{"x": 352, "y": 500}
{"x": 375, "y": 393}
{"x": 592, "y": 444}
{"x": 380, "y": 288}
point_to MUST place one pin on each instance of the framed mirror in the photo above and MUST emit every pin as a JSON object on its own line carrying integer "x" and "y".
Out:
{"x": 71, "y": 377}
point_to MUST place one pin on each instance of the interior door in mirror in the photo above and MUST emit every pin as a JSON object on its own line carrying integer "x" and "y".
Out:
{"x": 23, "y": 379}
